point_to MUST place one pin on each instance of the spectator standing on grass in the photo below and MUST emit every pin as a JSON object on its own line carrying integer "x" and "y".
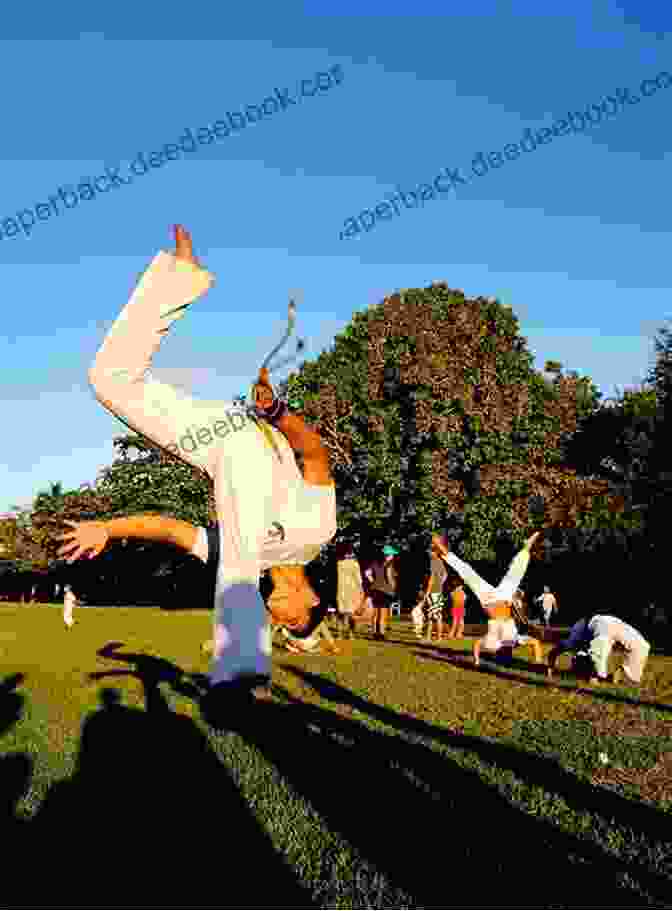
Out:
{"x": 593, "y": 640}
{"x": 69, "y": 602}
{"x": 350, "y": 590}
{"x": 458, "y": 598}
{"x": 381, "y": 582}
{"x": 433, "y": 594}
{"x": 548, "y": 604}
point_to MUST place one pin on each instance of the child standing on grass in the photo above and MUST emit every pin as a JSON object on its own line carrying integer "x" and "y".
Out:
{"x": 69, "y": 602}
{"x": 457, "y": 613}
{"x": 418, "y": 617}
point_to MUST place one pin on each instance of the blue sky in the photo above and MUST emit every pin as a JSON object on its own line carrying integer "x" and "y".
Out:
{"x": 575, "y": 236}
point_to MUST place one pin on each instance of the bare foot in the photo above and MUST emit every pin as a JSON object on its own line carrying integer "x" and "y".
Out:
{"x": 183, "y": 246}
{"x": 529, "y": 544}
{"x": 263, "y": 391}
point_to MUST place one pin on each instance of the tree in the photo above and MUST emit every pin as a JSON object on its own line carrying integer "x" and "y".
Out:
{"x": 433, "y": 396}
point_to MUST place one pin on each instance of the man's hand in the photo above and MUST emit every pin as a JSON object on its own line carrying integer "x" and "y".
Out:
{"x": 86, "y": 538}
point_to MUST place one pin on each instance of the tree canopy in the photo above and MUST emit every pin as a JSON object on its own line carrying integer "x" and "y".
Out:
{"x": 433, "y": 398}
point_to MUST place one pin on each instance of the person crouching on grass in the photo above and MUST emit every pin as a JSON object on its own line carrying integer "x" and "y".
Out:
{"x": 496, "y": 601}
{"x": 250, "y": 459}
{"x": 593, "y": 640}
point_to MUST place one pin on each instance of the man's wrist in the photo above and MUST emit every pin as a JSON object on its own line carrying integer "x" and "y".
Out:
{"x": 274, "y": 412}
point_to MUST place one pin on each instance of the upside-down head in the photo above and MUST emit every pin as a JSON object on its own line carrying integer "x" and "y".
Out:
{"x": 293, "y": 601}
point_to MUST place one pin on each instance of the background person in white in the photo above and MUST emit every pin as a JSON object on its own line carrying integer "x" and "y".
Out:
{"x": 597, "y": 637}
{"x": 255, "y": 484}
{"x": 69, "y": 602}
{"x": 548, "y": 604}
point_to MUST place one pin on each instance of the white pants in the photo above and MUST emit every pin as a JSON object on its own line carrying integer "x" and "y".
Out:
{"x": 487, "y": 594}
{"x": 68, "y": 619}
{"x": 216, "y": 437}
{"x": 636, "y": 657}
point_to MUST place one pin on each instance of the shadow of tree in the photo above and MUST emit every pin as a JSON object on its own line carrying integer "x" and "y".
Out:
{"x": 150, "y": 817}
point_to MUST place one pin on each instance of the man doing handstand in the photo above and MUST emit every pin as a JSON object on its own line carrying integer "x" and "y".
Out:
{"x": 258, "y": 486}
{"x": 496, "y": 602}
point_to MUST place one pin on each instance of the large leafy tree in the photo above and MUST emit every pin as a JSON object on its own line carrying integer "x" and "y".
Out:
{"x": 433, "y": 393}
{"x": 434, "y": 415}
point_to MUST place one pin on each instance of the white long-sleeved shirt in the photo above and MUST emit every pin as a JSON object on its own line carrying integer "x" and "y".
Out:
{"x": 257, "y": 487}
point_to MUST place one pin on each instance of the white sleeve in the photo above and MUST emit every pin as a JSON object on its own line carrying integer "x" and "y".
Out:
{"x": 200, "y": 548}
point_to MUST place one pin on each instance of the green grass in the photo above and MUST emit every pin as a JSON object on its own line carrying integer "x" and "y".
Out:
{"x": 393, "y": 775}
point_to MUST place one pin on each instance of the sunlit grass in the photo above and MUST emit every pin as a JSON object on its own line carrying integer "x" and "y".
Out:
{"x": 371, "y": 775}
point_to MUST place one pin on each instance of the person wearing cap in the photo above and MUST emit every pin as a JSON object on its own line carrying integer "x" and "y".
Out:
{"x": 593, "y": 640}
{"x": 381, "y": 584}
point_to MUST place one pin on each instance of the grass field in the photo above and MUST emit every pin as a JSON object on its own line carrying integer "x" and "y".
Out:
{"x": 394, "y": 775}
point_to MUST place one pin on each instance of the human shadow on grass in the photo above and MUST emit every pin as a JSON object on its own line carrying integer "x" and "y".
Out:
{"x": 151, "y": 816}
{"x": 15, "y": 774}
{"x": 403, "y": 805}
{"x": 599, "y": 691}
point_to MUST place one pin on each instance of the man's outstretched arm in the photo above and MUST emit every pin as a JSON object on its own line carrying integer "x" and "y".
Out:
{"x": 90, "y": 538}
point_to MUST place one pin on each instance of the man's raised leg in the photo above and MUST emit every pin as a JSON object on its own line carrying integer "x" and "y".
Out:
{"x": 517, "y": 569}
